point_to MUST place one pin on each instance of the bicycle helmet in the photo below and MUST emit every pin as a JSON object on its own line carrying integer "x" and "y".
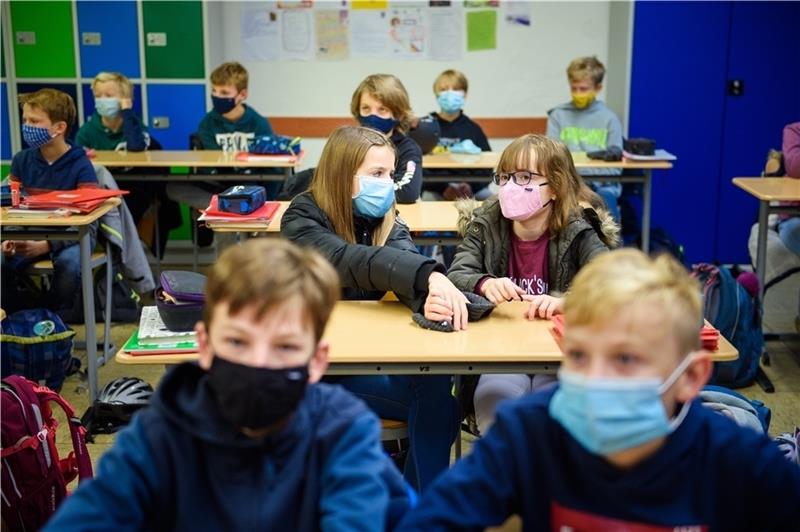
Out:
{"x": 118, "y": 401}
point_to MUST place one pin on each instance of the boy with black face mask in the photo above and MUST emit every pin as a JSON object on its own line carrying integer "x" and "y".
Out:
{"x": 249, "y": 439}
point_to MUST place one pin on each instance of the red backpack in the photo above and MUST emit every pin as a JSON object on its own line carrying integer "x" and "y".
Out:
{"x": 34, "y": 479}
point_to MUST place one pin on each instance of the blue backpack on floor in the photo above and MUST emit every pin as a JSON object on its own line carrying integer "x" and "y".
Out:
{"x": 737, "y": 315}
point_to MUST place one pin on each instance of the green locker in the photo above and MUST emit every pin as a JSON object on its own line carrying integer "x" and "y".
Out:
{"x": 173, "y": 39}
{"x": 43, "y": 39}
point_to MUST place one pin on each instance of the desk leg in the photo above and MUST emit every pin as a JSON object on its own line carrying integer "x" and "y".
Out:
{"x": 88, "y": 311}
{"x": 157, "y": 229}
{"x": 761, "y": 249}
{"x": 647, "y": 198}
{"x": 457, "y": 387}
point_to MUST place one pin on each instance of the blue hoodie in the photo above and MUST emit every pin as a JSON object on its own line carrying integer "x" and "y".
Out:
{"x": 70, "y": 171}
{"x": 181, "y": 466}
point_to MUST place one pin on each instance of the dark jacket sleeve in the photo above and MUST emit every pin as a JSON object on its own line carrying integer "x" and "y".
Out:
{"x": 382, "y": 268}
{"x": 408, "y": 171}
{"x": 480, "y": 139}
{"x": 589, "y": 246}
{"x": 400, "y": 238}
{"x": 135, "y": 136}
{"x": 468, "y": 265}
{"x": 207, "y": 135}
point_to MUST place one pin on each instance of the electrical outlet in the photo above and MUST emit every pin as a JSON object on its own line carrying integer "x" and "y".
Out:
{"x": 160, "y": 122}
{"x": 91, "y": 38}
{"x": 26, "y": 37}
{"x": 157, "y": 39}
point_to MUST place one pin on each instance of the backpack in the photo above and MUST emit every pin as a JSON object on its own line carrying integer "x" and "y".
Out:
{"x": 662, "y": 242}
{"x": 36, "y": 343}
{"x": 737, "y": 315}
{"x": 126, "y": 303}
{"x": 34, "y": 479}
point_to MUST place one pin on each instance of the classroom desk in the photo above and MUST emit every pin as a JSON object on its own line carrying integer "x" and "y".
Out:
{"x": 766, "y": 190}
{"x": 422, "y": 216}
{"x": 488, "y": 161}
{"x": 67, "y": 228}
{"x": 194, "y": 159}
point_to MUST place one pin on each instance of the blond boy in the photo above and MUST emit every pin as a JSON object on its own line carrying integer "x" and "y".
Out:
{"x": 114, "y": 124}
{"x": 622, "y": 443}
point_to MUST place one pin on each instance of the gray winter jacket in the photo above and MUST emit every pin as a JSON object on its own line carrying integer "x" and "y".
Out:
{"x": 487, "y": 240}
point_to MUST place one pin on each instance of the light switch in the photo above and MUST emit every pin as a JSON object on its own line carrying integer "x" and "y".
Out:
{"x": 26, "y": 37}
{"x": 160, "y": 122}
{"x": 156, "y": 39}
{"x": 91, "y": 38}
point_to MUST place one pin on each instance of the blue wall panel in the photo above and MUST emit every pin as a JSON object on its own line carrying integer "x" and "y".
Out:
{"x": 765, "y": 54}
{"x": 23, "y": 88}
{"x": 5, "y": 130}
{"x": 119, "y": 38}
{"x": 677, "y": 88}
{"x": 183, "y": 105}
{"x": 88, "y": 100}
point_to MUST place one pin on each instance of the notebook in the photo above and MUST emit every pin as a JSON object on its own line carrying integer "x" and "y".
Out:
{"x": 133, "y": 347}
{"x": 153, "y": 331}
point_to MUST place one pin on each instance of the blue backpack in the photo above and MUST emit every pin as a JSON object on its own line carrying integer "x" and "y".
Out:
{"x": 36, "y": 344}
{"x": 737, "y": 315}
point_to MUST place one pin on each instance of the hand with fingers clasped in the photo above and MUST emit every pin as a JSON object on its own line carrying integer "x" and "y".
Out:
{"x": 499, "y": 290}
{"x": 543, "y": 306}
{"x": 445, "y": 302}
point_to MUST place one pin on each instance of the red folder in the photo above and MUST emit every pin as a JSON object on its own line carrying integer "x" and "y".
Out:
{"x": 81, "y": 199}
{"x": 265, "y": 212}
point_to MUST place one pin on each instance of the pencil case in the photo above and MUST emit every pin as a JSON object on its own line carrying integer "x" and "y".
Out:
{"x": 242, "y": 199}
{"x": 640, "y": 146}
{"x": 180, "y": 298}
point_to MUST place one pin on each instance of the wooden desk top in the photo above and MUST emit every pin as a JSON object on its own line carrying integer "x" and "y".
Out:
{"x": 358, "y": 333}
{"x": 58, "y": 221}
{"x": 196, "y": 158}
{"x": 770, "y": 188}
{"x": 420, "y": 216}
{"x": 489, "y": 160}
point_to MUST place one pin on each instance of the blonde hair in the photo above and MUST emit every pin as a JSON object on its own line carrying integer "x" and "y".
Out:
{"x": 620, "y": 278}
{"x": 455, "y": 78}
{"x": 388, "y": 90}
{"x": 553, "y": 161}
{"x": 124, "y": 84}
{"x": 586, "y": 67}
{"x": 57, "y": 105}
{"x": 332, "y": 184}
{"x": 230, "y": 73}
{"x": 238, "y": 278}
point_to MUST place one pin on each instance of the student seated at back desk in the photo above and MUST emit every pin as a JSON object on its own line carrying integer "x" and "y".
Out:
{"x": 115, "y": 126}
{"x": 623, "y": 443}
{"x": 248, "y": 439}
{"x": 49, "y": 163}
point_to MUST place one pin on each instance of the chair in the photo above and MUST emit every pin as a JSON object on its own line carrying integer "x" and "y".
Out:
{"x": 394, "y": 437}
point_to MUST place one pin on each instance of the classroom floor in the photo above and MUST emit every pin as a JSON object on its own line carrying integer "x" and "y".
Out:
{"x": 781, "y": 307}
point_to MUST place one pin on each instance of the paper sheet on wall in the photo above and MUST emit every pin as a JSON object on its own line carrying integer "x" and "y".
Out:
{"x": 331, "y": 30}
{"x": 446, "y": 35}
{"x": 297, "y": 34}
{"x": 407, "y": 33}
{"x": 481, "y": 30}
{"x": 517, "y": 13}
{"x": 369, "y": 4}
{"x": 368, "y": 33}
{"x": 261, "y": 38}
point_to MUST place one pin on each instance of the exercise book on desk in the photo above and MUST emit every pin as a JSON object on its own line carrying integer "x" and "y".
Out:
{"x": 264, "y": 213}
{"x": 252, "y": 157}
{"x": 83, "y": 200}
{"x": 133, "y": 347}
{"x": 659, "y": 155}
{"x": 153, "y": 331}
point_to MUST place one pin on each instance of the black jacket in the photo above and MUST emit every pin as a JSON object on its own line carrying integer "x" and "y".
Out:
{"x": 407, "y": 186}
{"x": 365, "y": 271}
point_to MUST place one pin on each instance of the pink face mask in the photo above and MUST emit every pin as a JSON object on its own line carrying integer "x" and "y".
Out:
{"x": 518, "y": 202}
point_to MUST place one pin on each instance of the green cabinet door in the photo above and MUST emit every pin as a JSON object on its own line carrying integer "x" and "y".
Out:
{"x": 173, "y": 39}
{"x": 43, "y": 39}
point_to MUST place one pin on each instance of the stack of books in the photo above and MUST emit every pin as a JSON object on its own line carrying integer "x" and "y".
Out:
{"x": 153, "y": 337}
{"x": 81, "y": 200}
{"x": 263, "y": 214}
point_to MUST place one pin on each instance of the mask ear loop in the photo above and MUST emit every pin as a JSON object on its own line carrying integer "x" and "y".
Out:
{"x": 678, "y": 419}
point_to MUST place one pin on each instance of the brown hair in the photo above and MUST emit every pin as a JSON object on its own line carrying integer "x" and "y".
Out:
{"x": 57, "y": 105}
{"x": 388, "y": 90}
{"x": 554, "y": 161}
{"x": 124, "y": 84}
{"x": 267, "y": 273}
{"x": 332, "y": 184}
{"x": 620, "y": 278}
{"x": 586, "y": 67}
{"x": 455, "y": 78}
{"x": 231, "y": 73}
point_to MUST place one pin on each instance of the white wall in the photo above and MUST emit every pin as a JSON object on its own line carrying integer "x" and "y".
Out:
{"x": 524, "y": 77}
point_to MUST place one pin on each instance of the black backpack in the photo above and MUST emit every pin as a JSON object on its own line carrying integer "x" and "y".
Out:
{"x": 126, "y": 303}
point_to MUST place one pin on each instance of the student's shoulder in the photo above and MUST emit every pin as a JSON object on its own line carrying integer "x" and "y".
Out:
{"x": 561, "y": 109}
{"x": 529, "y": 414}
{"x": 406, "y": 145}
{"x": 334, "y": 408}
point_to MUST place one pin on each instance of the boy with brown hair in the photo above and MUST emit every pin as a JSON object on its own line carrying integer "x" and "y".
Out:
{"x": 49, "y": 163}
{"x": 623, "y": 443}
{"x": 248, "y": 438}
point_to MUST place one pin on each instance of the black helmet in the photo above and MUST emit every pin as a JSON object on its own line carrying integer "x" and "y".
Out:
{"x": 116, "y": 404}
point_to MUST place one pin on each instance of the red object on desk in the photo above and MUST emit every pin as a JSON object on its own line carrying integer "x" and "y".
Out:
{"x": 82, "y": 199}
{"x": 265, "y": 212}
{"x": 245, "y": 156}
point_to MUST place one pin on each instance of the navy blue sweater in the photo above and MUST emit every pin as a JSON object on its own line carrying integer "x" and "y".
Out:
{"x": 711, "y": 474}
{"x": 180, "y": 466}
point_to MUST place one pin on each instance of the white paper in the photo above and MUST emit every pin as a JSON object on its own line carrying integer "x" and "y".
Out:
{"x": 517, "y": 13}
{"x": 297, "y": 34}
{"x": 332, "y": 36}
{"x": 407, "y": 33}
{"x": 368, "y": 33}
{"x": 261, "y": 39}
{"x": 446, "y": 31}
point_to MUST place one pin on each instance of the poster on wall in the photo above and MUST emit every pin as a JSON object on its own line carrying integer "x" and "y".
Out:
{"x": 297, "y": 35}
{"x": 369, "y": 36}
{"x": 261, "y": 39}
{"x": 446, "y": 34}
{"x": 331, "y": 31}
{"x": 517, "y": 13}
{"x": 407, "y": 35}
{"x": 481, "y": 30}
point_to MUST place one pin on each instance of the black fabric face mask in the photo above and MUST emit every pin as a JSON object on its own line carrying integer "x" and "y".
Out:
{"x": 256, "y": 398}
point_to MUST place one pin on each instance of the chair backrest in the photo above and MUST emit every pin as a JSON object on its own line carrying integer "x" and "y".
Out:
{"x": 194, "y": 142}
{"x": 773, "y": 167}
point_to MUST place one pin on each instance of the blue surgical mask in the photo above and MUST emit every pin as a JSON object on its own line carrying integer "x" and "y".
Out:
{"x": 609, "y": 415}
{"x": 223, "y": 105}
{"x": 384, "y": 125}
{"x": 36, "y": 137}
{"x": 375, "y": 197}
{"x": 107, "y": 107}
{"x": 451, "y": 101}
